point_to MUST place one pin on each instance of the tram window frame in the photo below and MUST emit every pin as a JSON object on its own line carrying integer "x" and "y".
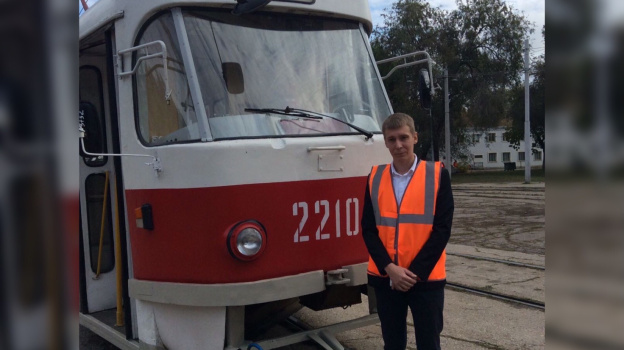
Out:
{"x": 142, "y": 118}
{"x": 96, "y": 99}
{"x": 94, "y": 221}
{"x": 174, "y": 56}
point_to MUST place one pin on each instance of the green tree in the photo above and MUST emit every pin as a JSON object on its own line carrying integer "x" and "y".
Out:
{"x": 481, "y": 44}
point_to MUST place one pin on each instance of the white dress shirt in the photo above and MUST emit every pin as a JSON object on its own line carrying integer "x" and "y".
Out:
{"x": 400, "y": 182}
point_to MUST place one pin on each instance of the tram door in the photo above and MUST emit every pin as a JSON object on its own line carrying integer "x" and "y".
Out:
{"x": 97, "y": 185}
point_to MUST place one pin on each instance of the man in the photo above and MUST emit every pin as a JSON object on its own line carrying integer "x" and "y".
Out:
{"x": 408, "y": 213}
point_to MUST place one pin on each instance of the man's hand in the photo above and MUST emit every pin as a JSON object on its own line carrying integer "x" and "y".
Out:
{"x": 401, "y": 278}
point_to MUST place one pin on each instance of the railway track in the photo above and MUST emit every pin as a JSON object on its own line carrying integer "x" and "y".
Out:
{"x": 500, "y": 195}
{"x": 295, "y": 324}
{"x": 508, "y": 298}
{"x": 512, "y": 193}
{"x": 493, "y": 294}
{"x": 506, "y": 262}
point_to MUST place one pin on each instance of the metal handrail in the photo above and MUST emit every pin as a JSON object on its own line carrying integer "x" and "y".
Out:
{"x": 162, "y": 53}
{"x": 327, "y": 148}
{"x": 155, "y": 163}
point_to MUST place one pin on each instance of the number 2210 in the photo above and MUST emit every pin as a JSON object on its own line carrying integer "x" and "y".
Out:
{"x": 351, "y": 208}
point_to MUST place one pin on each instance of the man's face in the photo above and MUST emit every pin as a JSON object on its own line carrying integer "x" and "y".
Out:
{"x": 400, "y": 143}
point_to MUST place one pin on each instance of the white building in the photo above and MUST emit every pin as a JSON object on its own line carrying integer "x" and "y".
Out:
{"x": 490, "y": 150}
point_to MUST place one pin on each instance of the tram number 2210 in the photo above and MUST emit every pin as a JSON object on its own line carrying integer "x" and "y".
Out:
{"x": 351, "y": 208}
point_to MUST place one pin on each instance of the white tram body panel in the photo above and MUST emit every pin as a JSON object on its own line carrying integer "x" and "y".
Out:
{"x": 219, "y": 208}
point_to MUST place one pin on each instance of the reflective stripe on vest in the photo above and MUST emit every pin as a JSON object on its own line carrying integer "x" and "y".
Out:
{"x": 404, "y": 227}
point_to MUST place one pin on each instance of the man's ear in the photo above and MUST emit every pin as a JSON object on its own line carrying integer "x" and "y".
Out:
{"x": 415, "y": 137}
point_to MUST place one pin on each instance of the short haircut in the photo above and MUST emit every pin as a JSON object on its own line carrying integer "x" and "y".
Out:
{"x": 396, "y": 121}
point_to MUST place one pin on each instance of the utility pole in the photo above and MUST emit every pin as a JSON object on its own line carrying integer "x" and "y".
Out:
{"x": 432, "y": 146}
{"x": 527, "y": 117}
{"x": 447, "y": 126}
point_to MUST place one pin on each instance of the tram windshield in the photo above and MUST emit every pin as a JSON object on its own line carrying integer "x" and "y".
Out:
{"x": 272, "y": 60}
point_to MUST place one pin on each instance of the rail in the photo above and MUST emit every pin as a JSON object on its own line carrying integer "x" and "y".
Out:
{"x": 508, "y": 298}
{"x": 507, "y": 262}
{"x": 155, "y": 164}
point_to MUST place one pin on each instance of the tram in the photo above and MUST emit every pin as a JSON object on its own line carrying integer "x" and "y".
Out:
{"x": 224, "y": 150}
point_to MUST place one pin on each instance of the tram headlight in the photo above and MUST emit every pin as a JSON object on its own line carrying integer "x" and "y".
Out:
{"x": 246, "y": 240}
{"x": 249, "y": 241}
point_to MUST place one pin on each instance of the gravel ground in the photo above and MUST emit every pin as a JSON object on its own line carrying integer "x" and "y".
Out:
{"x": 500, "y": 216}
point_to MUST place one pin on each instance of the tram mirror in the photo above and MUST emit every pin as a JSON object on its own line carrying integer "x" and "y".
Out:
{"x": 233, "y": 76}
{"x": 424, "y": 88}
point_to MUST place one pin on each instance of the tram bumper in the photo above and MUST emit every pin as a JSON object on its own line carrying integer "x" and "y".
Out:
{"x": 245, "y": 293}
{"x": 220, "y": 311}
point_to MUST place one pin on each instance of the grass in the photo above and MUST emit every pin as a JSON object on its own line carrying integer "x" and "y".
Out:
{"x": 497, "y": 176}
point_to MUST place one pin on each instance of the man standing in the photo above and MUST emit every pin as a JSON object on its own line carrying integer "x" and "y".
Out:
{"x": 408, "y": 213}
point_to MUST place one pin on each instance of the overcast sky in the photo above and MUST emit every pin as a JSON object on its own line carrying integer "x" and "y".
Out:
{"x": 533, "y": 10}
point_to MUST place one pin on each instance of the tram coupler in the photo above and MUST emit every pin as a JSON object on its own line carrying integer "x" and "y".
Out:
{"x": 335, "y": 277}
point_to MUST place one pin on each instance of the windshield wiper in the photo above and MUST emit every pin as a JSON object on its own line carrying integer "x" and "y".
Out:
{"x": 366, "y": 133}
{"x": 302, "y": 113}
{"x": 286, "y": 111}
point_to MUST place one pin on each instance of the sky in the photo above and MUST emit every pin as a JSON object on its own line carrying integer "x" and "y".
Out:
{"x": 533, "y": 10}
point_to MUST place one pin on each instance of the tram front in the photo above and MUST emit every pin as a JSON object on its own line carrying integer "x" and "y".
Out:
{"x": 265, "y": 126}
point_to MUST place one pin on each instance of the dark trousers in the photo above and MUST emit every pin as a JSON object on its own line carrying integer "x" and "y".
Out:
{"x": 426, "y": 307}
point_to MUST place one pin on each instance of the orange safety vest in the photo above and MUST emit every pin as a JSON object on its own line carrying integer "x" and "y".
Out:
{"x": 405, "y": 227}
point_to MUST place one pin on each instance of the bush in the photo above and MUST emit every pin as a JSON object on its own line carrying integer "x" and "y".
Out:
{"x": 463, "y": 168}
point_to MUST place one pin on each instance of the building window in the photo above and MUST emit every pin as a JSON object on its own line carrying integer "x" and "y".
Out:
{"x": 476, "y": 137}
{"x": 491, "y": 157}
{"x": 478, "y": 156}
{"x": 537, "y": 156}
{"x": 491, "y": 137}
{"x": 506, "y": 156}
{"x": 521, "y": 156}
{"x": 505, "y": 137}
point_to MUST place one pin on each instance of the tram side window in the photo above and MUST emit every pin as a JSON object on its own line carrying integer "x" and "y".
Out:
{"x": 160, "y": 122}
{"x": 91, "y": 113}
{"x": 95, "y": 185}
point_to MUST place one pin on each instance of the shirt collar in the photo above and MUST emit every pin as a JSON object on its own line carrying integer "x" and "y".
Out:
{"x": 410, "y": 171}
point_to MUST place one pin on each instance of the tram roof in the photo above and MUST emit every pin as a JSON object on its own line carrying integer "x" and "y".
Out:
{"x": 105, "y": 12}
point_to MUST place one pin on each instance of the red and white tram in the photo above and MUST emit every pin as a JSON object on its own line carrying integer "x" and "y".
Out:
{"x": 223, "y": 165}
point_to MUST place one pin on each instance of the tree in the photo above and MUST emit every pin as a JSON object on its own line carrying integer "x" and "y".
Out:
{"x": 409, "y": 26}
{"x": 480, "y": 43}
